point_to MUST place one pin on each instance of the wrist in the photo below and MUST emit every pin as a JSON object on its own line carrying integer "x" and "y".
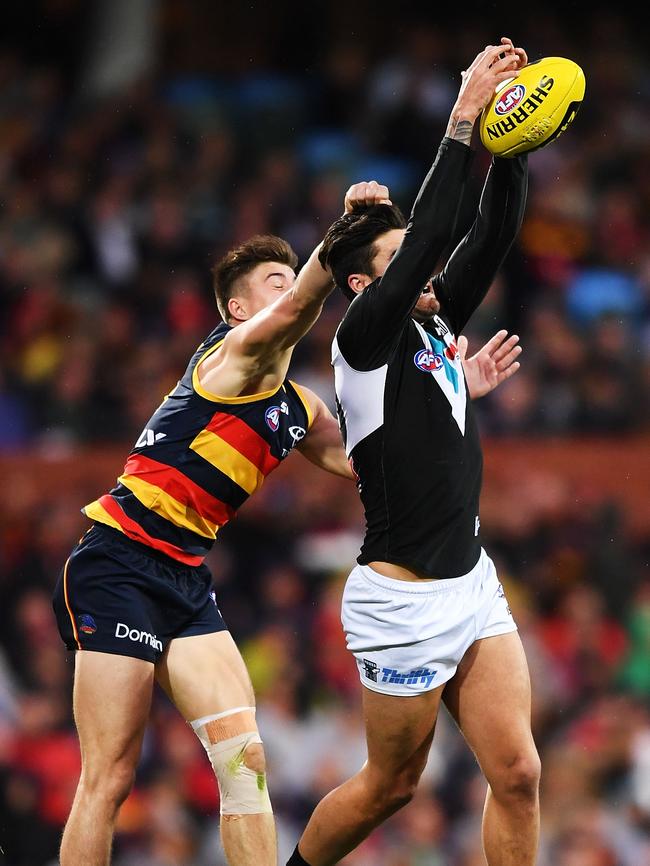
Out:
{"x": 464, "y": 112}
{"x": 460, "y": 128}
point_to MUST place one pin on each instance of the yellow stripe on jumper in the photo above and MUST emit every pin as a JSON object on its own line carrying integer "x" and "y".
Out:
{"x": 228, "y": 460}
{"x": 166, "y": 506}
{"x": 96, "y": 511}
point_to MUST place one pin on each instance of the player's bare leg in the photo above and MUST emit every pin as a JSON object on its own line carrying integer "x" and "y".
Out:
{"x": 112, "y": 696}
{"x": 399, "y": 732}
{"x": 205, "y": 676}
{"x": 490, "y": 699}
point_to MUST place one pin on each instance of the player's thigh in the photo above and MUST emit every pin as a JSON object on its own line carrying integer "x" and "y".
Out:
{"x": 399, "y": 731}
{"x": 205, "y": 675}
{"x": 490, "y": 700}
{"x": 112, "y": 698}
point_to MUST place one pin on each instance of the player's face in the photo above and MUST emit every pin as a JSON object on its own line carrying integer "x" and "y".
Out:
{"x": 386, "y": 246}
{"x": 264, "y": 285}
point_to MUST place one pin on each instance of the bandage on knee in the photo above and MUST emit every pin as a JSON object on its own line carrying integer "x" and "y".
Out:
{"x": 225, "y": 738}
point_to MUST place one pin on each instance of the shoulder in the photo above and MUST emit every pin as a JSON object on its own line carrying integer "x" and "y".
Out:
{"x": 356, "y": 337}
{"x": 311, "y": 403}
{"x": 355, "y": 313}
{"x": 216, "y": 335}
{"x": 212, "y": 342}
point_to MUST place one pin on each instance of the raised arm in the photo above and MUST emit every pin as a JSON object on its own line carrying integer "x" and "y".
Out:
{"x": 384, "y": 304}
{"x": 255, "y": 354}
{"x": 278, "y": 327}
{"x": 467, "y": 276}
{"x": 282, "y": 324}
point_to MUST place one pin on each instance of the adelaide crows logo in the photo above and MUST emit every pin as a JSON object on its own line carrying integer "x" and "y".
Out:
{"x": 87, "y": 624}
{"x": 428, "y": 361}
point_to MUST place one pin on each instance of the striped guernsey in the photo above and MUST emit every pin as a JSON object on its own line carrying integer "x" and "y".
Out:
{"x": 197, "y": 461}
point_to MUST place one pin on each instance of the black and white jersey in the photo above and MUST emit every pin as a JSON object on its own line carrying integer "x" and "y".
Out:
{"x": 402, "y": 401}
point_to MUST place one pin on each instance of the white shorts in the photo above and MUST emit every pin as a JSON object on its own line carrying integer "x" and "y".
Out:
{"x": 407, "y": 637}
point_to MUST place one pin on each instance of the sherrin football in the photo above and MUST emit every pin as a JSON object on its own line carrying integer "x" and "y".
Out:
{"x": 534, "y": 108}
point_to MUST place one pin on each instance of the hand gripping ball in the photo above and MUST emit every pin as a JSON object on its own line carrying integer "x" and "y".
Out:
{"x": 533, "y": 109}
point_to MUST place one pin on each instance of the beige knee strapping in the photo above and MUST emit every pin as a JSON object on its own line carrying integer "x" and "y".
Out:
{"x": 225, "y": 738}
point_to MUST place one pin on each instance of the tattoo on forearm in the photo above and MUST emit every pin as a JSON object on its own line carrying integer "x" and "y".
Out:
{"x": 460, "y": 130}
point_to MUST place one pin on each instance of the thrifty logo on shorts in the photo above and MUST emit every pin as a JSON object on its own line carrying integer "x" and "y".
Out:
{"x": 390, "y": 675}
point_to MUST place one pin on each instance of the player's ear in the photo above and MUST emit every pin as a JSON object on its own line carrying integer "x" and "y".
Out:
{"x": 237, "y": 309}
{"x": 358, "y": 282}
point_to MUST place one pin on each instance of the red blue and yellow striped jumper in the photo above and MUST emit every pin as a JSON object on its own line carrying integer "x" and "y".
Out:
{"x": 198, "y": 460}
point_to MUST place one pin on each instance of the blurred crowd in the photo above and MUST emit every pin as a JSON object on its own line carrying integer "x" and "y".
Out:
{"x": 114, "y": 205}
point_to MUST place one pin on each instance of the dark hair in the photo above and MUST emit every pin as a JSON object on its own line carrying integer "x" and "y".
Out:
{"x": 349, "y": 245}
{"x": 242, "y": 260}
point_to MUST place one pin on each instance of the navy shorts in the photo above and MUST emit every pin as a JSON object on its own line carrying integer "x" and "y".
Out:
{"x": 114, "y": 595}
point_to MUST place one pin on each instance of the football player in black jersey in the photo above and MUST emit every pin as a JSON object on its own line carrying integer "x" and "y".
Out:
{"x": 423, "y": 610}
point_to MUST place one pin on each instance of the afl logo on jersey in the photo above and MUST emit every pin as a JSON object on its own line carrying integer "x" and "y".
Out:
{"x": 272, "y": 417}
{"x": 428, "y": 361}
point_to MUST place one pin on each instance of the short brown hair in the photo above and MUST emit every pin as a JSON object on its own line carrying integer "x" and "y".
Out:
{"x": 241, "y": 261}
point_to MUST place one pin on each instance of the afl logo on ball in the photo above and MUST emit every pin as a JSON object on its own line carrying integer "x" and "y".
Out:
{"x": 509, "y": 99}
{"x": 428, "y": 361}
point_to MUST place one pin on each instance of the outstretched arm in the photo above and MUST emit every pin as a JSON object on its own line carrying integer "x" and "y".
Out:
{"x": 494, "y": 362}
{"x": 282, "y": 324}
{"x": 278, "y": 327}
{"x": 255, "y": 354}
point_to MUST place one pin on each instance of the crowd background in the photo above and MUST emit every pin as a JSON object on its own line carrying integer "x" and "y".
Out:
{"x": 138, "y": 141}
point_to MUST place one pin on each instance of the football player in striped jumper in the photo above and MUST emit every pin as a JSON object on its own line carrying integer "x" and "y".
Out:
{"x": 135, "y": 599}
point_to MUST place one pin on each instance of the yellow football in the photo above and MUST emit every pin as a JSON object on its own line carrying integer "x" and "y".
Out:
{"x": 534, "y": 108}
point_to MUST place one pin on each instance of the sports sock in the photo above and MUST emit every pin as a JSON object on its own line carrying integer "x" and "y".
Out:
{"x": 296, "y": 859}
